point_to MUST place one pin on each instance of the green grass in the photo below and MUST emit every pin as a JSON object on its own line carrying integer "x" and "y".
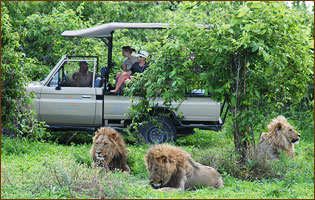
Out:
{"x": 50, "y": 170}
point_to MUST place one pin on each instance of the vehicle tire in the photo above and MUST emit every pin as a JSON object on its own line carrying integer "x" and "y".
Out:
{"x": 153, "y": 133}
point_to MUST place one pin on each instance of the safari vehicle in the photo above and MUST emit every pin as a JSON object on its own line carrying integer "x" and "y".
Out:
{"x": 63, "y": 106}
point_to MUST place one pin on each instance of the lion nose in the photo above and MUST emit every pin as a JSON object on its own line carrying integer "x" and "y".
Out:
{"x": 98, "y": 153}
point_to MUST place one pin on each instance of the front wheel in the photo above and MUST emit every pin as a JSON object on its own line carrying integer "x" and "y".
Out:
{"x": 160, "y": 132}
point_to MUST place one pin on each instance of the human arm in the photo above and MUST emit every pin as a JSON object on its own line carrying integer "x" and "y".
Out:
{"x": 124, "y": 66}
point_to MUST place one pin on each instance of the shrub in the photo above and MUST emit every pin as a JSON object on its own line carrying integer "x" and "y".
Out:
{"x": 135, "y": 160}
{"x": 71, "y": 137}
{"x": 16, "y": 117}
{"x": 81, "y": 155}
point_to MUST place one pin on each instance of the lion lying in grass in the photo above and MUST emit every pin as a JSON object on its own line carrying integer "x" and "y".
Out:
{"x": 108, "y": 150}
{"x": 172, "y": 168}
{"x": 280, "y": 137}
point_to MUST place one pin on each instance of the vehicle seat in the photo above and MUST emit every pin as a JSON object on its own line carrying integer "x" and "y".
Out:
{"x": 98, "y": 82}
{"x": 101, "y": 80}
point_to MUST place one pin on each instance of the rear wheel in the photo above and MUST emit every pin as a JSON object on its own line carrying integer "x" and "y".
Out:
{"x": 163, "y": 131}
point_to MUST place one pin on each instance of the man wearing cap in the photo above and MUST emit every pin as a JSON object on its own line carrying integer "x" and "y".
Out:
{"x": 138, "y": 67}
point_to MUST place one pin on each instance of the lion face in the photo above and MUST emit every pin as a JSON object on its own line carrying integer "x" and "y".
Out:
{"x": 160, "y": 171}
{"x": 292, "y": 135}
{"x": 108, "y": 150}
{"x": 107, "y": 143}
{"x": 280, "y": 127}
{"x": 104, "y": 148}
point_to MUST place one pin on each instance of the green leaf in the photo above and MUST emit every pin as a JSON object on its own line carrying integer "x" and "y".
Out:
{"x": 242, "y": 12}
{"x": 255, "y": 48}
{"x": 233, "y": 101}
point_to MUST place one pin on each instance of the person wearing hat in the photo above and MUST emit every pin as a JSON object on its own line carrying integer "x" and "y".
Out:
{"x": 138, "y": 67}
{"x": 141, "y": 65}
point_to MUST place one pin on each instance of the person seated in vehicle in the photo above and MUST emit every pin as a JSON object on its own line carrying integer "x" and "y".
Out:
{"x": 83, "y": 77}
{"x": 128, "y": 61}
{"x": 138, "y": 67}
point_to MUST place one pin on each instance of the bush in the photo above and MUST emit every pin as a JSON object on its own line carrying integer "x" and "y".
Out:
{"x": 15, "y": 147}
{"x": 70, "y": 137}
{"x": 135, "y": 160}
{"x": 81, "y": 155}
{"x": 16, "y": 116}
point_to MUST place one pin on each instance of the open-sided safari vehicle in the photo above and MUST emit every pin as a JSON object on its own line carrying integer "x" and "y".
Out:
{"x": 62, "y": 105}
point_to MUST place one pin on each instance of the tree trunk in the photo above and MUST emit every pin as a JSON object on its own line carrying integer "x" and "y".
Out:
{"x": 241, "y": 142}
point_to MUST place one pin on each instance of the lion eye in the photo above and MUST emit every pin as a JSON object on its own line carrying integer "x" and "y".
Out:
{"x": 105, "y": 144}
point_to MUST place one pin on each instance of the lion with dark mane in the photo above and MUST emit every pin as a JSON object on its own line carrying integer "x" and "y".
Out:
{"x": 172, "y": 168}
{"x": 281, "y": 136}
{"x": 108, "y": 150}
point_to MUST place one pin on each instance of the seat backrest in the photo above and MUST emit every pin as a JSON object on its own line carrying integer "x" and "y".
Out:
{"x": 101, "y": 80}
{"x": 104, "y": 71}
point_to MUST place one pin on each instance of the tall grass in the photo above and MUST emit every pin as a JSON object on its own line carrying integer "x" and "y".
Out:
{"x": 50, "y": 170}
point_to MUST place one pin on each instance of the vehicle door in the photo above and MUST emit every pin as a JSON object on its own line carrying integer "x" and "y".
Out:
{"x": 62, "y": 103}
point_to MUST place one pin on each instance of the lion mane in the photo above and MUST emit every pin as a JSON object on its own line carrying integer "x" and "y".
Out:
{"x": 281, "y": 136}
{"x": 172, "y": 168}
{"x": 108, "y": 150}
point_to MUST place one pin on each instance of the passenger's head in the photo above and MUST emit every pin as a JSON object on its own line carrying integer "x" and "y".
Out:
{"x": 142, "y": 56}
{"x": 127, "y": 50}
{"x": 84, "y": 66}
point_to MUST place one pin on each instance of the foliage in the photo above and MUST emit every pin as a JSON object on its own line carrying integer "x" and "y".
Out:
{"x": 70, "y": 137}
{"x": 256, "y": 55}
{"x": 41, "y": 25}
{"x": 16, "y": 117}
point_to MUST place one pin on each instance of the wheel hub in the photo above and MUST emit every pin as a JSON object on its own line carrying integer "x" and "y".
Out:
{"x": 156, "y": 135}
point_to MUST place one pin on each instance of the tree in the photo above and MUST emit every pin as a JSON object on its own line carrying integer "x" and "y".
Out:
{"x": 15, "y": 115}
{"x": 256, "y": 55}
{"x": 40, "y": 25}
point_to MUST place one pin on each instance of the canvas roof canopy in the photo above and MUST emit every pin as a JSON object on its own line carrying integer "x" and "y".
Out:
{"x": 106, "y": 29}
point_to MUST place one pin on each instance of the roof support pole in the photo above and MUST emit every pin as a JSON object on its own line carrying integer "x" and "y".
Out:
{"x": 105, "y": 41}
{"x": 109, "y": 44}
{"x": 110, "y": 50}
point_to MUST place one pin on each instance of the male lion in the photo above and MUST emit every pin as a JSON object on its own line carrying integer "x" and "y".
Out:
{"x": 108, "y": 150}
{"x": 172, "y": 168}
{"x": 280, "y": 137}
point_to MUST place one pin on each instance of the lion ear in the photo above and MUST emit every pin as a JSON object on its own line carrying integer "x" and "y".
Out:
{"x": 113, "y": 135}
{"x": 279, "y": 127}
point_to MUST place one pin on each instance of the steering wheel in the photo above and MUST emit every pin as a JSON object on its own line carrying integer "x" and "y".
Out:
{"x": 65, "y": 81}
